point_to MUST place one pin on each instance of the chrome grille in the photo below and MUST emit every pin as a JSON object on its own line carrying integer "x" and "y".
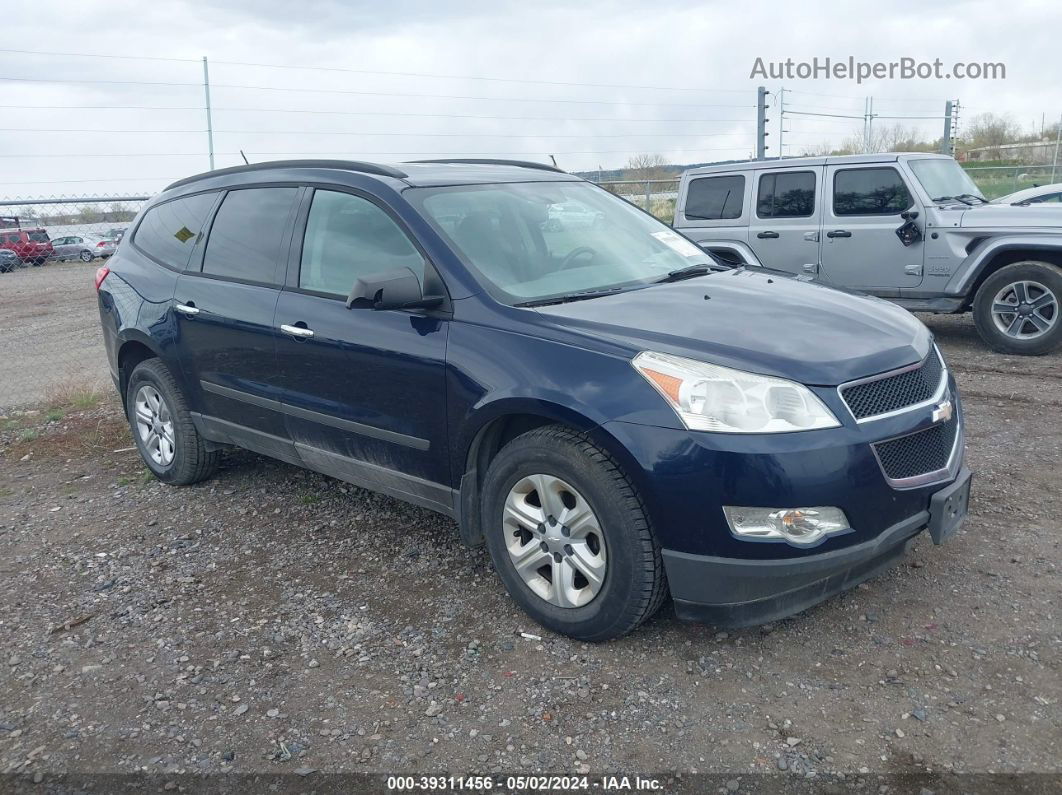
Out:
{"x": 894, "y": 392}
{"x": 918, "y": 453}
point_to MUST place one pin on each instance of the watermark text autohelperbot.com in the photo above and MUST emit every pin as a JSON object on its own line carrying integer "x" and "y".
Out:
{"x": 851, "y": 69}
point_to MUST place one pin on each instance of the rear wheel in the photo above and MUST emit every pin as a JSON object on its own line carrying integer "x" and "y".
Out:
{"x": 1018, "y": 309}
{"x": 163, "y": 429}
{"x": 86, "y": 256}
{"x": 570, "y": 537}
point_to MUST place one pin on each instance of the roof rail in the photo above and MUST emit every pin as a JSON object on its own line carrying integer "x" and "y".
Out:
{"x": 483, "y": 161}
{"x": 347, "y": 165}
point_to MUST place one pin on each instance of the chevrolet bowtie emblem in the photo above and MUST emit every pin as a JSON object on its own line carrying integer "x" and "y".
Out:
{"x": 942, "y": 411}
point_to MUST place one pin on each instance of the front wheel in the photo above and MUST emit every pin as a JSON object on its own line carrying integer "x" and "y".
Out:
{"x": 1017, "y": 308}
{"x": 163, "y": 429}
{"x": 569, "y": 536}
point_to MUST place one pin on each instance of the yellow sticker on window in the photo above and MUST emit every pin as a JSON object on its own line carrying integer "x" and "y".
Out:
{"x": 184, "y": 234}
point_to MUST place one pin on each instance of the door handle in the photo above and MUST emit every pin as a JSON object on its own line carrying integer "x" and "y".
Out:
{"x": 187, "y": 309}
{"x": 766, "y": 235}
{"x": 298, "y": 332}
{"x": 839, "y": 233}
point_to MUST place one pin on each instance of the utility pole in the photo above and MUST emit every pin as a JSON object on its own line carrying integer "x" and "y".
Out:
{"x": 868, "y": 143}
{"x": 210, "y": 124}
{"x": 945, "y": 141}
{"x": 781, "y": 120}
{"x": 761, "y": 123}
{"x": 1058, "y": 139}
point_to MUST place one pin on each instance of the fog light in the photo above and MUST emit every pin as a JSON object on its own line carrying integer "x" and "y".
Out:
{"x": 801, "y": 526}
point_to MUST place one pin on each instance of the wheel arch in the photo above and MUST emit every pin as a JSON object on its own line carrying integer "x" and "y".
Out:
{"x": 1002, "y": 253}
{"x": 497, "y": 426}
{"x": 133, "y": 348}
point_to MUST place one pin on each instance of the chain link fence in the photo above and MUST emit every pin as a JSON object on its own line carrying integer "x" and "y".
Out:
{"x": 997, "y": 181}
{"x": 655, "y": 195}
{"x": 49, "y": 252}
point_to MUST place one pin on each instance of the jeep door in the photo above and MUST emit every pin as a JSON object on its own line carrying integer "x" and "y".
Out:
{"x": 786, "y": 216}
{"x": 364, "y": 390}
{"x": 860, "y": 247}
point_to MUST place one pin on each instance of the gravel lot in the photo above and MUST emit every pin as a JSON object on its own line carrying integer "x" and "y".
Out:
{"x": 274, "y": 620}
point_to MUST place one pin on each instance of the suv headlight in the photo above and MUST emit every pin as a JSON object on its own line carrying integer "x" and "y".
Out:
{"x": 708, "y": 397}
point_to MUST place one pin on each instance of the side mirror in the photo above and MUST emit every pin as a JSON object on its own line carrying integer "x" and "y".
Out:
{"x": 397, "y": 289}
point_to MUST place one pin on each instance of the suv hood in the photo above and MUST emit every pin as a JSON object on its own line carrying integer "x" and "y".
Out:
{"x": 766, "y": 323}
{"x": 1009, "y": 216}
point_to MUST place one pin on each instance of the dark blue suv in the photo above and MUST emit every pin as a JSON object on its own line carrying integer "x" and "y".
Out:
{"x": 615, "y": 414}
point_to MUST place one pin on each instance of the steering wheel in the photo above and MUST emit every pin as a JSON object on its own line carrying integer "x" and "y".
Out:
{"x": 575, "y": 253}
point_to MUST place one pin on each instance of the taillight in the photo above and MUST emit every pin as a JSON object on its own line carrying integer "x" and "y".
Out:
{"x": 101, "y": 274}
{"x": 101, "y": 244}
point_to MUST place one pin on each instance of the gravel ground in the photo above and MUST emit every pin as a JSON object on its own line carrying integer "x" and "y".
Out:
{"x": 272, "y": 620}
{"x": 51, "y": 332}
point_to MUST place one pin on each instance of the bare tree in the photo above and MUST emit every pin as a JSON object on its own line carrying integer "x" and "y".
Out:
{"x": 991, "y": 131}
{"x": 647, "y": 167}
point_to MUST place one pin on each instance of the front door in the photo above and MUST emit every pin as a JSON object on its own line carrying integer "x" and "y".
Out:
{"x": 364, "y": 390}
{"x": 786, "y": 214}
{"x": 860, "y": 248}
{"x": 225, "y": 307}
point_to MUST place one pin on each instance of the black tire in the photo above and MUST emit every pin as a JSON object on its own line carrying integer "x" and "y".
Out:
{"x": 1042, "y": 273}
{"x": 85, "y": 256}
{"x": 634, "y": 585}
{"x": 192, "y": 461}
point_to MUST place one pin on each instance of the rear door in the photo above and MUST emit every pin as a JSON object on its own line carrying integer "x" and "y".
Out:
{"x": 714, "y": 207}
{"x": 860, "y": 248}
{"x": 224, "y": 306}
{"x": 364, "y": 390}
{"x": 786, "y": 214}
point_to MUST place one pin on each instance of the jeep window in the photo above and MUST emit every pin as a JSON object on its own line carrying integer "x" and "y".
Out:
{"x": 168, "y": 231}
{"x": 870, "y": 191}
{"x": 40, "y": 236}
{"x": 786, "y": 194}
{"x": 715, "y": 198}
{"x": 512, "y": 236}
{"x": 245, "y": 238}
{"x": 347, "y": 237}
{"x": 943, "y": 178}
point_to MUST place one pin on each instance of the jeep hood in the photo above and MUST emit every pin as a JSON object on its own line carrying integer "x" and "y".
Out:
{"x": 764, "y": 323}
{"x": 1008, "y": 216}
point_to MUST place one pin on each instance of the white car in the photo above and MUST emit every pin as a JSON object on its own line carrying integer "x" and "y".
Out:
{"x": 1042, "y": 194}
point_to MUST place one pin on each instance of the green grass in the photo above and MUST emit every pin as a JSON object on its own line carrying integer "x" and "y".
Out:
{"x": 29, "y": 435}
{"x": 54, "y": 415}
{"x": 310, "y": 499}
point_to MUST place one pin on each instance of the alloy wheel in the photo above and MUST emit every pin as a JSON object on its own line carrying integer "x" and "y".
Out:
{"x": 1025, "y": 310}
{"x": 555, "y": 541}
{"x": 154, "y": 425}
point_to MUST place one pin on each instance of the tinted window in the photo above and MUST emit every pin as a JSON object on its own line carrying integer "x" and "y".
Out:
{"x": 786, "y": 195}
{"x": 347, "y": 237}
{"x": 869, "y": 191}
{"x": 169, "y": 231}
{"x": 39, "y": 236}
{"x": 712, "y": 198}
{"x": 246, "y": 234}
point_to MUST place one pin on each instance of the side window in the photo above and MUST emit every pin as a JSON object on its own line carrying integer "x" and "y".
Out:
{"x": 347, "y": 237}
{"x": 870, "y": 191}
{"x": 168, "y": 231}
{"x": 786, "y": 194}
{"x": 714, "y": 198}
{"x": 247, "y": 232}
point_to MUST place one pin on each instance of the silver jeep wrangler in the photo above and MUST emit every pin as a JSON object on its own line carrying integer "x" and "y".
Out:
{"x": 910, "y": 228}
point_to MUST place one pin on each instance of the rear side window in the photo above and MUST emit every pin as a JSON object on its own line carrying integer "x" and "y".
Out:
{"x": 40, "y": 236}
{"x": 869, "y": 191}
{"x": 347, "y": 237}
{"x": 245, "y": 237}
{"x": 787, "y": 194}
{"x": 168, "y": 231}
{"x": 714, "y": 198}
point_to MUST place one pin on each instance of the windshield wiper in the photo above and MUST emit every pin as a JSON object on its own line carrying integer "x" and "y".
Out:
{"x": 973, "y": 196}
{"x": 689, "y": 272}
{"x": 954, "y": 199}
{"x": 565, "y": 299}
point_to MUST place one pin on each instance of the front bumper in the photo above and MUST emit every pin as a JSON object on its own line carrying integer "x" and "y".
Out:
{"x": 734, "y": 592}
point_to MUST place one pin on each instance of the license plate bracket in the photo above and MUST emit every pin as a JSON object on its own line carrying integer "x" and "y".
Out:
{"x": 948, "y": 507}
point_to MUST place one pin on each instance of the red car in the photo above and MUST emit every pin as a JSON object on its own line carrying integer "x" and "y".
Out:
{"x": 31, "y": 245}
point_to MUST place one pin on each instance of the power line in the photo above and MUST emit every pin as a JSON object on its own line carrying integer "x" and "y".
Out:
{"x": 476, "y": 153}
{"x": 388, "y": 134}
{"x": 347, "y": 70}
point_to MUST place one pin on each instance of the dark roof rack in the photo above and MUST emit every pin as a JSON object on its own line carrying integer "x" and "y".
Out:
{"x": 347, "y": 165}
{"x": 482, "y": 161}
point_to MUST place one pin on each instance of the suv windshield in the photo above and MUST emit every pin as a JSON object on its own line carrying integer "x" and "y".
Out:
{"x": 533, "y": 241}
{"x": 944, "y": 179}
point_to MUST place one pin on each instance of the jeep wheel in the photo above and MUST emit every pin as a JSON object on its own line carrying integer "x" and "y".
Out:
{"x": 569, "y": 536}
{"x": 1018, "y": 309}
{"x": 163, "y": 429}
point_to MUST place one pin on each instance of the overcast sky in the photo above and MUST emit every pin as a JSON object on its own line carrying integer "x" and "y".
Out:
{"x": 591, "y": 83}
